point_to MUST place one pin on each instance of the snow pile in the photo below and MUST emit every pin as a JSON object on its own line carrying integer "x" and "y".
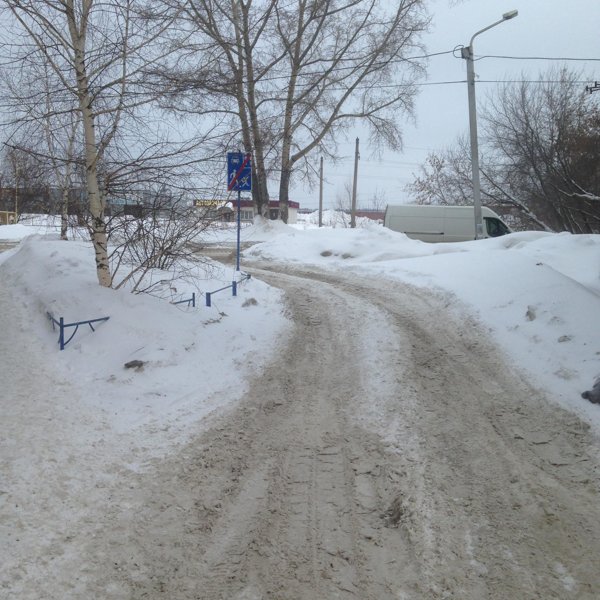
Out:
{"x": 538, "y": 293}
{"x": 74, "y": 422}
{"x": 330, "y": 218}
{"x": 18, "y": 231}
{"x": 194, "y": 359}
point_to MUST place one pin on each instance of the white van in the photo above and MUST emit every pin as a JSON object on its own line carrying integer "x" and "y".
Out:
{"x": 430, "y": 223}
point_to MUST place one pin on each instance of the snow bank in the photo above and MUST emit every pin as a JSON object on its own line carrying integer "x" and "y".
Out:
{"x": 538, "y": 293}
{"x": 195, "y": 360}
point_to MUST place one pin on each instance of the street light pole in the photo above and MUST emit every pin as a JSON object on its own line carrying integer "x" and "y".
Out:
{"x": 467, "y": 53}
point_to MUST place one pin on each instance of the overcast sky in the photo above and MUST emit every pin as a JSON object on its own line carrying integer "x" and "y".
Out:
{"x": 543, "y": 28}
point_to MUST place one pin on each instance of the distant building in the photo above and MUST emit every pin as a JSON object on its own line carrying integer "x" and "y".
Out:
{"x": 371, "y": 213}
{"x": 226, "y": 210}
{"x": 219, "y": 210}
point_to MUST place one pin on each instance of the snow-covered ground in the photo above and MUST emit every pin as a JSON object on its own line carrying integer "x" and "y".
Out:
{"x": 537, "y": 293}
{"x": 184, "y": 349}
{"x": 74, "y": 422}
{"x": 71, "y": 420}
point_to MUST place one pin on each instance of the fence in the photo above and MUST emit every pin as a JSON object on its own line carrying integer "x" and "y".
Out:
{"x": 190, "y": 301}
{"x": 62, "y": 326}
{"x": 233, "y": 287}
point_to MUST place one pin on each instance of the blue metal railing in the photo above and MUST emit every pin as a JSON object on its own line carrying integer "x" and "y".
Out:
{"x": 233, "y": 287}
{"x": 190, "y": 301}
{"x": 62, "y": 326}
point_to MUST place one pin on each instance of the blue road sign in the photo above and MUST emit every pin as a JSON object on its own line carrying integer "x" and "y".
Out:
{"x": 239, "y": 172}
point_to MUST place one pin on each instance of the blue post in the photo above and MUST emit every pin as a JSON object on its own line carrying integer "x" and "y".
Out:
{"x": 234, "y": 288}
{"x": 239, "y": 227}
{"x": 207, "y": 298}
{"x": 193, "y": 299}
{"x": 61, "y": 335}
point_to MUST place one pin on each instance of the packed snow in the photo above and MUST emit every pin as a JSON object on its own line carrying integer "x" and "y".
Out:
{"x": 71, "y": 420}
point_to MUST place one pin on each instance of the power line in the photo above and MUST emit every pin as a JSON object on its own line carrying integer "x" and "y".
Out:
{"x": 453, "y": 82}
{"x": 538, "y": 58}
{"x": 526, "y": 81}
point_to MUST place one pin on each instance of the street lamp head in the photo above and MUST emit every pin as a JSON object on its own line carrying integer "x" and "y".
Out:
{"x": 511, "y": 14}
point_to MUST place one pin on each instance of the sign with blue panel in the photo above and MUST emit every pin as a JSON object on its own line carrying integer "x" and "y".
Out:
{"x": 239, "y": 172}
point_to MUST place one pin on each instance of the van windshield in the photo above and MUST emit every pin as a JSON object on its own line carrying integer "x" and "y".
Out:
{"x": 495, "y": 227}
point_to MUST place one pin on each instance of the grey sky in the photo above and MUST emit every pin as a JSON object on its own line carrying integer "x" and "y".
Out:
{"x": 543, "y": 28}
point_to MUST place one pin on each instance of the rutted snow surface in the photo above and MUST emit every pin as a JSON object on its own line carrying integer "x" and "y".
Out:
{"x": 477, "y": 487}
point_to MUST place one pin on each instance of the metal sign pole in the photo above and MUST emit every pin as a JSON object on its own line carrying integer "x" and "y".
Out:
{"x": 239, "y": 177}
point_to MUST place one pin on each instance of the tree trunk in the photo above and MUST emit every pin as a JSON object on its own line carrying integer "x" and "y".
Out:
{"x": 66, "y": 190}
{"x": 95, "y": 198}
{"x": 96, "y": 206}
{"x": 286, "y": 149}
{"x": 260, "y": 193}
{"x": 64, "y": 218}
{"x": 245, "y": 90}
{"x": 284, "y": 191}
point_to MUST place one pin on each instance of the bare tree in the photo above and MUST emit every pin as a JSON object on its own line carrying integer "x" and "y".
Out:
{"x": 541, "y": 133}
{"x": 24, "y": 180}
{"x": 296, "y": 73}
{"x": 540, "y": 147}
{"x": 47, "y": 131}
{"x": 340, "y": 58}
{"x": 378, "y": 200}
{"x": 158, "y": 244}
{"x": 97, "y": 52}
{"x": 343, "y": 207}
{"x": 61, "y": 134}
{"x": 216, "y": 74}
{"x": 445, "y": 179}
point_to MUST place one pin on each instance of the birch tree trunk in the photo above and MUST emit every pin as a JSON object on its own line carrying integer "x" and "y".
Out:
{"x": 78, "y": 31}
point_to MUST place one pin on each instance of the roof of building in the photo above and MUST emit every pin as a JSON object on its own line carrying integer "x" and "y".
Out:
{"x": 248, "y": 203}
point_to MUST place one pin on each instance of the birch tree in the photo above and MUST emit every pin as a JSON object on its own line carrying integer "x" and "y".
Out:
{"x": 97, "y": 52}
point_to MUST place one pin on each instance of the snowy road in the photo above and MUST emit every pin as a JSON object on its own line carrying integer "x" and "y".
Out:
{"x": 386, "y": 453}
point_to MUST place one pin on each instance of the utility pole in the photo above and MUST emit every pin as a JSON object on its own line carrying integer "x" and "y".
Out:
{"x": 353, "y": 212}
{"x": 321, "y": 194}
{"x": 16, "y": 194}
